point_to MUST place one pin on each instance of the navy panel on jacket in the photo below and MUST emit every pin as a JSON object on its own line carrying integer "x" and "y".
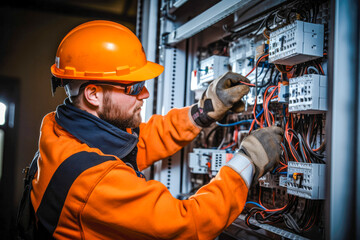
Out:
{"x": 96, "y": 132}
{"x": 55, "y": 194}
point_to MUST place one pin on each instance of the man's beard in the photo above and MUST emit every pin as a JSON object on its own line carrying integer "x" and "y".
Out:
{"x": 112, "y": 114}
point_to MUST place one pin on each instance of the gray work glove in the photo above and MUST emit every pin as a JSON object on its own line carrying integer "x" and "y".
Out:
{"x": 222, "y": 94}
{"x": 263, "y": 148}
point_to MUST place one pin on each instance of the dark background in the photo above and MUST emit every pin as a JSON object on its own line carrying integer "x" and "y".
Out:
{"x": 30, "y": 34}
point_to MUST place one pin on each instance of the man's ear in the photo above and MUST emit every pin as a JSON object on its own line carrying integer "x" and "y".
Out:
{"x": 93, "y": 95}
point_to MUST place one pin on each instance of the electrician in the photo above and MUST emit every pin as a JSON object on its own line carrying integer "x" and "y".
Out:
{"x": 93, "y": 147}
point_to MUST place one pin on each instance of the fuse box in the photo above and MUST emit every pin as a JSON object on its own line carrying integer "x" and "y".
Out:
{"x": 306, "y": 180}
{"x": 296, "y": 43}
{"x": 308, "y": 94}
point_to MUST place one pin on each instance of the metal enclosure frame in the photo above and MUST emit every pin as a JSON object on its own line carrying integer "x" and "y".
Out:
{"x": 176, "y": 53}
{"x": 343, "y": 207}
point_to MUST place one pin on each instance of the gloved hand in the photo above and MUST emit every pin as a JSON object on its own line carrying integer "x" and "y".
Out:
{"x": 222, "y": 94}
{"x": 263, "y": 148}
{"x": 259, "y": 153}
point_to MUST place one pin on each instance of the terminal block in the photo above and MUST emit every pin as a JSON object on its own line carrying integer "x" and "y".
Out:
{"x": 306, "y": 180}
{"x": 212, "y": 68}
{"x": 296, "y": 43}
{"x": 204, "y": 160}
{"x": 283, "y": 95}
{"x": 269, "y": 181}
{"x": 308, "y": 94}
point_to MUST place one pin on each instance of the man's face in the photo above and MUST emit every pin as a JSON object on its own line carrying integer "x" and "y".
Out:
{"x": 121, "y": 110}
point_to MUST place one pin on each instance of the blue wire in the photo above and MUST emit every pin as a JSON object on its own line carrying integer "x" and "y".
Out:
{"x": 234, "y": 124}
{"x": 259, "y": 114}
{"x": 262, "y": 69}
{"x": 255, "y": 203}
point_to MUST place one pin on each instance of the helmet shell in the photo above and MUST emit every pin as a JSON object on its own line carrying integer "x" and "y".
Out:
{"x": 103, "y": 50}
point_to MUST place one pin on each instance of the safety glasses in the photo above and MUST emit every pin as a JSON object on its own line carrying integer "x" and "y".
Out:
{"x": 129, "y": 89}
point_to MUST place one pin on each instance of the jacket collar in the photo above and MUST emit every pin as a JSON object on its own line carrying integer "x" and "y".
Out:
{"x": 94, "y": 131}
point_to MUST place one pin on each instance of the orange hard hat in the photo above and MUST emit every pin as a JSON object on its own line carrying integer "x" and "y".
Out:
{"x": 105, "y": 51}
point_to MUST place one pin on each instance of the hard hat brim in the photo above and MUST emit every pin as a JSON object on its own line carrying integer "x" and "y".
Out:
{"x": 149, "y": 71}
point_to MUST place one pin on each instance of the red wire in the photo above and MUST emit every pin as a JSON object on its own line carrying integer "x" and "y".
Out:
{"x": 310, "y": 225}
{"x": 252, "y": 126}
{"x": 257, "y": 62}
{"x": 287, "y": 137}
{"x": 276, "y": 209}
{"x": 262, "y": 120}
{"x": 227, "y": 146}
{"x": 279, "y": 170}
{"x": 267, "y": 99}
{"x": 254, "y": 112}
{"x": 273, "y": 197}
{"x": 260, "y": 199}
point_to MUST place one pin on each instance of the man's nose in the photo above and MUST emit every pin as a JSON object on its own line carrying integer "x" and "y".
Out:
{"x": 144, "y": 94}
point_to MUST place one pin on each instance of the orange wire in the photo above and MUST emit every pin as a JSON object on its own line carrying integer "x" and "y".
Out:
{"x": 260, "y": 199}
{"x": 273, "y": 197}
{"x": 254, "y": 113}
{"x": 306, "y": 229}
{"x": 289, "y": 142}
{"x": 322, "y": 70}
{"x": 272, "y": 115}
{"x": 276, "y": 209}
{"x": 279, "y": 170}
{"x": 265, "y": 103}
{"x": 252, "y": 126}
{"x": 257, "y": 62}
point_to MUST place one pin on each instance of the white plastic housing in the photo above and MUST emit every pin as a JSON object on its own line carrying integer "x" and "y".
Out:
{"x": 212, "y": 68}
{"x": 296, "y": 43}
{"x": 308, "y": 94}
{"x": 311, "y": 184}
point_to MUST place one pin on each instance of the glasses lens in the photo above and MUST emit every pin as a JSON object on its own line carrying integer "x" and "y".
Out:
{"x": 135, "y": 89}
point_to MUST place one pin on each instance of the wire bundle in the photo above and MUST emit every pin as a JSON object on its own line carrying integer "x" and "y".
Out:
{"x": 286, "y": 214}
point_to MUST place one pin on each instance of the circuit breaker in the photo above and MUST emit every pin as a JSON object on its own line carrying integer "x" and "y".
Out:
{"x": 306, "y": 180}
{"x": 198, "y": 161}
{"x": 204, "y": 160}
{"x": 283, "y": 95}
{"x": 296, "y": 43}
{"x": 212, "y": 68}
{"x": 308, "y": 94}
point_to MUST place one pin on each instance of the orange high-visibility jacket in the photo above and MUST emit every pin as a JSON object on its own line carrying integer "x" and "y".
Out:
{"x": 84, "y": 190}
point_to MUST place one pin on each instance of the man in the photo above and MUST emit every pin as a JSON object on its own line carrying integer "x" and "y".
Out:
{"x": 92, "y": 149}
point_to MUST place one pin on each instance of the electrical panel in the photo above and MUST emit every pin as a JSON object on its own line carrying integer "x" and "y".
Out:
{"x": 212, "y": 68}
{"x": 296, "y": 43}
{"x": 306, "y": 180}
{"x": 308, "y": 94}
{"x": 281, "y": 47}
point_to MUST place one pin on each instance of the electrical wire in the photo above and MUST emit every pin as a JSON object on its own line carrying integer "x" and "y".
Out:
{"x": 235, "y": 123}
